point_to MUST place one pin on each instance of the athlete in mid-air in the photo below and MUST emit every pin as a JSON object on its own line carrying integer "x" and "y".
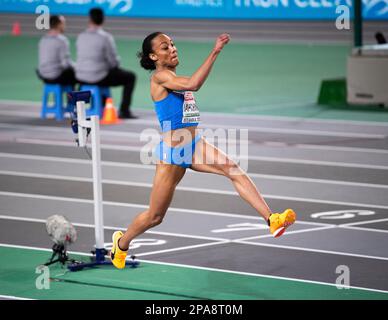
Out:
{"x": 178, "y": 115}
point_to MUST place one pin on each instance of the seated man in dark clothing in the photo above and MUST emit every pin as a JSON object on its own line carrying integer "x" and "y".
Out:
{"x": 55, "y": 65}
{"x": 98, "y": 61}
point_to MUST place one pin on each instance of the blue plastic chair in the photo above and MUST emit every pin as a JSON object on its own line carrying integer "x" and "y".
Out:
{"x": 58, "y": 107}
{"x": 97, "y": 103}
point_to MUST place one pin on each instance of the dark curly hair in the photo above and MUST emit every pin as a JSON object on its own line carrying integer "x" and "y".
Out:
{"x": 96, "y": 15}
{"x": 145, "y": 61}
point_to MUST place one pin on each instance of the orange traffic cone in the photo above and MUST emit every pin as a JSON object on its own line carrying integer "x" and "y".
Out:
{"x": 16, "y": 30}
{"x": 110, "y": 114}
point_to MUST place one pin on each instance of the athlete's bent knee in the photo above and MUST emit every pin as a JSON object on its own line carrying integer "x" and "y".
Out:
{"x": 156, "y": 219}
{"x": 231, "y": 168}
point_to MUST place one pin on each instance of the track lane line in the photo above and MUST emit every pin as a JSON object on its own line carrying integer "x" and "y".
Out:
{"x": 364, "y": 229}
{"x": 242, "y": 117}
{"x": 286, "y": 233}
{"x": 251, "y": 158}
{"x": 362, "y": 222}
{"x": 298, "y": 146}
{"x": 14, "y": 297}
{"x": 254, "y": 129}
{"x": 143, "y": 207}
{"x": 152, "y": 167}
{"x": 191, "y": 189}
{"x": 312, "y": 250}
{"x": 92, "y": 226}
{"x": 183, "y": 248}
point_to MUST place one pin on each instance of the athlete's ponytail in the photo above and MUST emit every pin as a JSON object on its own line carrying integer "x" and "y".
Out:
{"x": 145, "y": 61}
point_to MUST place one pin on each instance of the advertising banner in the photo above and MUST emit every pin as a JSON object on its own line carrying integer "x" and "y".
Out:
{"x": 213, "y": 9}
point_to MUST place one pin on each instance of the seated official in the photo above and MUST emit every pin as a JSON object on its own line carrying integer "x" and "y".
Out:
{"x": 98, "y": 62}
{"x": 55, "y": 65}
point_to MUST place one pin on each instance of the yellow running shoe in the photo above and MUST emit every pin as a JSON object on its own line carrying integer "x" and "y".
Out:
{"x": 117, "y": 255}
{"x": 279, "y": 222}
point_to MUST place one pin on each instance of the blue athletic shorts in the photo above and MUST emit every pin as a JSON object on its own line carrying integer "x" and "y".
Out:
{"x": 181, "y": 156}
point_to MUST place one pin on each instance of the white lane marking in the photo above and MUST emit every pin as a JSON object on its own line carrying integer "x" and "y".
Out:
{"x": 312, "y": 250}
{"x": 259, "y": 275}
{"x": 341, "y": 214}
{"x": 301, "y": 131}
{"x": 256, "y": 158}
{"x": 255, "y": 129}
{"x": 326, "y": 226}
{"x": 287, "y": 233}
{"x": 13, "y": 297}
{"x": 45, "y": 197}
{"x": 44, "y": 158}
{"x": 242, "y": 117}
{"x": 295, "y": 119}
{"x": 67, "y": 130}
{"x": 202, "y": 190}
{"x": 341, "y": 149}
{"x": 316, "y": 162}
{"x": 142, "y": 207}
{"x": 363, "y": 229}
{"x": 92, "y": 226}
{"x": 278, "y": 130}
{"x": 75, "y": 160}
{"x": 362, "y": 222}
{"x": 351, "y": 204}
{"x": 241, "y": 227}
{"x": 268, "y": 143}
{"x": 152, "y": 167}
{"x": 184, "y": 235}
{"x": 20, "y": 113}
{"x": 324, "y": 181}
{"x": 46, "y": 176}
{"x": 73, "y": 144}
{"x": 182, "y": 248}
{"x": 193, "y": 236}
{"x": 21, "y": 102}
{"x": 205, "y": 268}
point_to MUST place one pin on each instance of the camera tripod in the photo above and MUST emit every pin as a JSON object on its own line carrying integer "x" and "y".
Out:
{"x": 59, "y": 251}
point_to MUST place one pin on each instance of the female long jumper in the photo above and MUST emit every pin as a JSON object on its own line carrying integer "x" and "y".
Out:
{"x": 182, "y": 147}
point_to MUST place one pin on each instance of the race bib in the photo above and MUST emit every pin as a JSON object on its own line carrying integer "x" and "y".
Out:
{"x": 190, "y": 109}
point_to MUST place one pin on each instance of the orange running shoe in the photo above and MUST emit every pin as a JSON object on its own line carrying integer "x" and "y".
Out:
{"x": 117, "y": 255}
{"x": 279, "y": 222}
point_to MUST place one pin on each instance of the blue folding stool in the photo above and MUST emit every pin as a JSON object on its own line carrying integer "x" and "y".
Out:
{"x": 58, "y": 107}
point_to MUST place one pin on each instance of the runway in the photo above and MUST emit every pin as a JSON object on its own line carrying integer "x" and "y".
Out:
{"x": 333, "y": 173}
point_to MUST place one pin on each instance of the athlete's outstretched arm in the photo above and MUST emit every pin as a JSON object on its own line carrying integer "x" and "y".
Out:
{"x": 170, "y": 80}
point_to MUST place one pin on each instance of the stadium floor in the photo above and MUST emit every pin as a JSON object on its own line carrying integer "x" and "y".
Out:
{"x": 212, "y": 245}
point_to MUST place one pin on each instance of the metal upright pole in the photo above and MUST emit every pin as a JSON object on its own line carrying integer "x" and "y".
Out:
{"x": 97, "y": 189}
{"x": 93, "y": 126}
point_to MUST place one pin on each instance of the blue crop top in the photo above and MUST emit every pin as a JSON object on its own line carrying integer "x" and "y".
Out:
{"x": 177, "y": 110}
